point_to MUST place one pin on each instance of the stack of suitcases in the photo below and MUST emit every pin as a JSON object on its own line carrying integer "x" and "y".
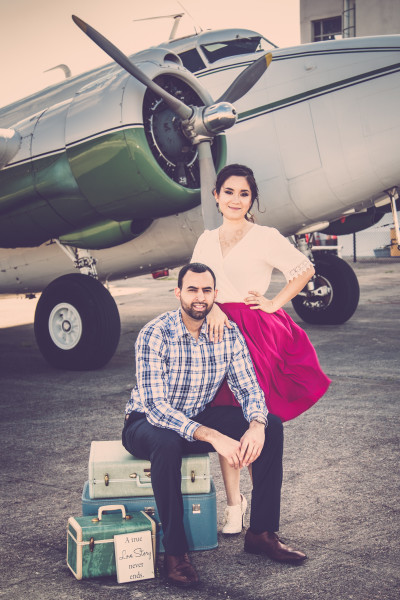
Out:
{"x": 118, "y": 478}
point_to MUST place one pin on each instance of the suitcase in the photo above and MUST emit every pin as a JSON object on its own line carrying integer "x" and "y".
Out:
{"x": 114, "y": 472}
{"x": 200, "y": 515}
{"x": 90, "y": 541}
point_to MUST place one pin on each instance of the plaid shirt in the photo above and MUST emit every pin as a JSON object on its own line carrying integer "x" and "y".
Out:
{"x": 177, "y": 375}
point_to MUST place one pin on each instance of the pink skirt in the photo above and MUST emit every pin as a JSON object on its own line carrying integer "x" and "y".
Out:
{"x": 284, "y": 360}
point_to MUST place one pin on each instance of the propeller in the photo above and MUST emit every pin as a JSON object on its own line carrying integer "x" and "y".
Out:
{"x": 199, "y": 124}
{"x": 179, "y": 107}
{"x": 246, "y": 79}
{"x": 211, "y": 217}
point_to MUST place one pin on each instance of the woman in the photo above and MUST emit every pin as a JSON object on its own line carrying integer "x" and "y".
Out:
{"x": 242, "y": 256}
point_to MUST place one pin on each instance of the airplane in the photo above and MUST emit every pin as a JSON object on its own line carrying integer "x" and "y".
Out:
{"x": 109, "y": 174}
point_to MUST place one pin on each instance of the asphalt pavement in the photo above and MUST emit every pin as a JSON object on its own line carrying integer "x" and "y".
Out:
{"x": 340, "y": 499}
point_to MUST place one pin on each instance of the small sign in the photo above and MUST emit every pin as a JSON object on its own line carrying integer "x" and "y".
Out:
{"x": 134, "y": 556}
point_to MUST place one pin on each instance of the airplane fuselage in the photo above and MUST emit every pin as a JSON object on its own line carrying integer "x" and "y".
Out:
{"x": 97, "y": 165}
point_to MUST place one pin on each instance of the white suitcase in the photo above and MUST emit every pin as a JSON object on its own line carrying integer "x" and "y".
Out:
{"x": 115, "y": 473}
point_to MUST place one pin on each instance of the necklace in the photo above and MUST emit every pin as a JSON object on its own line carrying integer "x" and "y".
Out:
{"x": 229, "y": 239}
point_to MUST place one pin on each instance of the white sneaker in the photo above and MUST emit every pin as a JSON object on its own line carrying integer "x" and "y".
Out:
{"x": 234, "y": 517}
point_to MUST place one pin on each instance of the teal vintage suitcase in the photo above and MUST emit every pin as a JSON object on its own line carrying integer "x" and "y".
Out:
{"x": 115, "y": 473}
{"x": 199, "y": 515}
{"x": 90, "y": 539}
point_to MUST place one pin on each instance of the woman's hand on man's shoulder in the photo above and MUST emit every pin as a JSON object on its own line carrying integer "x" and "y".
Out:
{"x": 216, "y": 321}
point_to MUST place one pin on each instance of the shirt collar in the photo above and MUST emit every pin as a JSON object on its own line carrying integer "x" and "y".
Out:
{"x": 182, "y": 331}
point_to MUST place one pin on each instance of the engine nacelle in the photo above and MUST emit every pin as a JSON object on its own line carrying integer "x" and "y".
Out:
{"x": 112, "y": 152}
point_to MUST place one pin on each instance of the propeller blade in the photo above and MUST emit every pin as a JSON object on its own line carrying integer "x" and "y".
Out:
{"x": 211, "y": 217}
{"x": 182, "y": 110}
{"x": 246, "y": 79}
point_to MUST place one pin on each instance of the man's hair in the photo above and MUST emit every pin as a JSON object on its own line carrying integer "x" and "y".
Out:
{"x": 195, "y": 268}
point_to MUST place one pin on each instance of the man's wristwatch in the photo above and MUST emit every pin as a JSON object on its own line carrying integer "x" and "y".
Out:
{"x": 260, "y": 419}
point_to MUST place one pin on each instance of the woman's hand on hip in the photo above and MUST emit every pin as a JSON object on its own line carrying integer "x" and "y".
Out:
{"x": 216, "y": 320}
{"x": 259, "y": 302}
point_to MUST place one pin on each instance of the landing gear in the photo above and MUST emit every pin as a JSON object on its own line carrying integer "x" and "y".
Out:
{"x": 77, "y": 324}
{"x": 332, "y": 296}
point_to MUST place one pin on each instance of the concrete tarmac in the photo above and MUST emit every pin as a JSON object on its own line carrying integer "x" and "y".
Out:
{"x": 340, "y": 498}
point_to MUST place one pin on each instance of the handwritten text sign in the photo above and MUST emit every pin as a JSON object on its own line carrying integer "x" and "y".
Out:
{"x": 134, "y": 556}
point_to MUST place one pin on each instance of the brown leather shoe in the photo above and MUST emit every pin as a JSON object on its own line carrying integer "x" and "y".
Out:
{"x": 179, "y": 570}
{"x": 269, "y": 544}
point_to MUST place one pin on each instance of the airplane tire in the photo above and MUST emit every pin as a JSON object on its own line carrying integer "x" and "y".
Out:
{"x": 77, "y": 324}
{"x": 340, "y": 304}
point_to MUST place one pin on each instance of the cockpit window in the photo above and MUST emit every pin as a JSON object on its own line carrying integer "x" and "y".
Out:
{"x": 192, "y": 60}
{"x": 218, "y": 50}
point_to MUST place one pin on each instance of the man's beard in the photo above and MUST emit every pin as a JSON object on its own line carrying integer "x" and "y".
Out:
{"x": 198, "y": 315}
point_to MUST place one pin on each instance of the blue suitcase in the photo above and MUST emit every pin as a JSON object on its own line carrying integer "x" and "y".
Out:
{"x": 200, "y": 515}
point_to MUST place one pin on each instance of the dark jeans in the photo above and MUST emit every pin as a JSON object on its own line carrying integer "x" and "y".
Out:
{"x": 164, "y": 448}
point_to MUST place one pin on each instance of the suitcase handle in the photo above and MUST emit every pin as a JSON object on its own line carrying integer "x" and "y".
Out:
{"x": 136, "y": 477}
{"x": 120, "y": 507}
{"x": 147, "y": 484}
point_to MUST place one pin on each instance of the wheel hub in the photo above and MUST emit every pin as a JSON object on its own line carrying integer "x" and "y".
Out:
{"x": 321, "y": 296}
{"x": 65, "y": 326}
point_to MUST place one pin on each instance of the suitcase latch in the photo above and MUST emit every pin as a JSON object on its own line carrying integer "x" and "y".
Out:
{"x": 147, "y": 473}
{"x": 196, "y": 509}
{"x": 91, "y": 544}
{"x": 106, "y": 479}
{"x": 150, "y": 510}
{"x": 192, "y": 476}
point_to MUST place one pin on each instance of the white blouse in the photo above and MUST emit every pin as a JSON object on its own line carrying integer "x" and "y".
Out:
{"x": 249, "y": 264}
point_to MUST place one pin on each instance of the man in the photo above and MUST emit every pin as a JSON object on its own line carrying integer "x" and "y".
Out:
{"x": 178, "y": 372}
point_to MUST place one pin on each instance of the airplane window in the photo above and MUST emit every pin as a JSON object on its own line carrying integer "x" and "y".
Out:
{"x": 192, "y": 60}
{"x": 219, "y": 50}
{"x": 327, "y": 29}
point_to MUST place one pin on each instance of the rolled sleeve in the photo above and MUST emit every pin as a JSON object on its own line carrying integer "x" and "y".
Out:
{"x": 243, "y": 382}
{"x": 189, "y": 430}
